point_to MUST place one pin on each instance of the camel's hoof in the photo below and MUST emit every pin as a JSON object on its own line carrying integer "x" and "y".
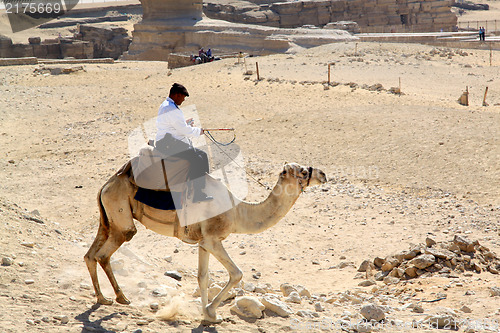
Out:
{"x": 122, "y": 300}
{"x": 207, "y": 321}
{"x": 104, "y": 301}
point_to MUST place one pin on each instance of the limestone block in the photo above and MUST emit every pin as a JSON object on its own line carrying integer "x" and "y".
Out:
{"x": 40, "y": 51}
{"x": 287, "y": 8}
{"x": 377, "y": 20}
{"x": 403, "y": 10}
{"x": 338, "y": 6}
{"x": 271, "y": 16}
{"x": 425, "y": 6}
{"x": 254, "y": 17}
{"x": 309, "y": 16}
{"x": 287, "y": 21}
{"x": 20, "y": 51}
{"x": 323, "y": 15}
{"x": 248, "y": 306}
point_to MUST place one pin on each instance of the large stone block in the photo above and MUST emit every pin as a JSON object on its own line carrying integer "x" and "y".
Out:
{"x": 338, "y": 6}
{"x": 288, "y": 21}
{"x": 287, "y": 8}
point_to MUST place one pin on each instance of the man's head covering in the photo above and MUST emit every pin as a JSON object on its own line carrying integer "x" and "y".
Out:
{"x": 178, "y": 89}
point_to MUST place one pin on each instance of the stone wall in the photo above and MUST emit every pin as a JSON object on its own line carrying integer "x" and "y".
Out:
{"x": 371, "y": 15}
{"x": 88, "y": 43}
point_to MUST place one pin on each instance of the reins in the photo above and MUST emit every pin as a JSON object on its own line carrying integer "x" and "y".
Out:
{"x": 217, "y": 144}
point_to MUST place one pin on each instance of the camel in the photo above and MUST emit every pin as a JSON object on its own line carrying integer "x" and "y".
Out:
{"x": 118, "y": 209}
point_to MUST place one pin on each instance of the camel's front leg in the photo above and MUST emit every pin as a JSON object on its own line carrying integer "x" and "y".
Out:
{"x": 203, "y": 258}
{"x": 217, "y": 250}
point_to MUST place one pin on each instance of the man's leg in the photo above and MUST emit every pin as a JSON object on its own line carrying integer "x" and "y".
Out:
{"x": 198, "y": 168}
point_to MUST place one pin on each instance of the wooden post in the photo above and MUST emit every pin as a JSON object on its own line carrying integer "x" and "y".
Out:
{"x": 400, "y": 86}
{"x": 491, "y": 55}
{"x": 484, "y": 99}
{"x": 467, "y": 96}
{"x": 257, "y": 67}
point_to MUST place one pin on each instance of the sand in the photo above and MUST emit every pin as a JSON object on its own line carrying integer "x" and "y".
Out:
{"x": 400, "y": 168}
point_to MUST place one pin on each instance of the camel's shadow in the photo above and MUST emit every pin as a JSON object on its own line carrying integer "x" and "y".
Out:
{"x": 94, "y": 326}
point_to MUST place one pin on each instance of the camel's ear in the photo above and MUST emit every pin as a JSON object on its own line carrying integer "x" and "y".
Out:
{"x": 284, "y": 167}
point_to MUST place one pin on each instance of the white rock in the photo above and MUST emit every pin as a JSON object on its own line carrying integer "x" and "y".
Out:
{"x": 168, "y": 258}
{"x": 303, "y": 292}
{"x": 372, "y": 311}
{"x": 422, "y": 261}
{"x": 494, "y": 291}
{"x": 249, "y": 286}
{"x": 28, "y": 244}
{"x": 29, "y": 281}
{"x": 154, "y": 306}
{"x": 286, "y": 289}
{"x": 64, "y": 319}
{"x": 307, "y": 314}
{"x": 465, "y": 309}
{"x": 215, "y": 289}
{"x": 248, "y": 306}
{"x": 6, "y": 261}
{"x": 273, "y": 304}
{"x": 85, "y": 286}
{"x": 318, "y": 307}
{"x": 294, "y": 297}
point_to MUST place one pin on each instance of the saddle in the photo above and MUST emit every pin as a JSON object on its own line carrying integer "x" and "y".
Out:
{"x": 160, "y": 179}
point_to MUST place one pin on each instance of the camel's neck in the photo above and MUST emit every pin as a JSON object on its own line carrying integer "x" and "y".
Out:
{"x": 256, "y": 217}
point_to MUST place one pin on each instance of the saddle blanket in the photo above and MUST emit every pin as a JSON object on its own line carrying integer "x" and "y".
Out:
{"x": 158, "y": 199}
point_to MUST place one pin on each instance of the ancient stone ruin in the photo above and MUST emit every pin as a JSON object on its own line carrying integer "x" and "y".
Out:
{"x": 87, "y": 43}
{"x": 370, "y": 15}
{"x": 172, "y": 29}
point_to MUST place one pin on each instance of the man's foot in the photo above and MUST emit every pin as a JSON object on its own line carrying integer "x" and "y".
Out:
{"x": 200, "y": 196}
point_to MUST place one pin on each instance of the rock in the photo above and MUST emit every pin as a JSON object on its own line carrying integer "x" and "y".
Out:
{"x": 7, "y": 261}
{"x": 430, "y": 242}
{"x": 29, "y": 281}
{"x": 411, "y": 272}
{"x": 372, "y": 312}
{"x": 273, "y": 304}
{"x": 248, "y": 306}
{"x": 465, "y": 244}
{"x": 64, "y": 319}
{"x": 465, "y": 309}
{"x": 367, "y": 283}
{"x": 442, "y": 321}
{"x": 418, "y": 309}
{"x": 249, "y": 286}
{"x": 441, "y": 253}
{"x": 303, "y": 292}
{"x": 154, "y": 306}
{"x": 422, "y": 261}
{"x": 286, "y": 289}
{"x": 174, "y": 275}
{"x": 494, "y": 291}
{"x": 34, "y": 40}
{"x": 318, "y": 307}
{"x": 365, "y": 265}
{"x": 28, "y": 244}
{"x": 397, "y": 272}
{"x": 390, "y": 263}
{"x": 85, "y": 286}
{"x": 409, "y": 255}
{"x": 168, "y": 258}
{"x": 307, "y": 314}
{"x": 378, "y": 262}
{"x": 388, "y": 280}
{"x": 294, "y": 297}
{"x": 379, "y": 276}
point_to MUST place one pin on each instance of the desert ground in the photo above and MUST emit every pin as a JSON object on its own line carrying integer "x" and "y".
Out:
{"x": 402, "y": 169}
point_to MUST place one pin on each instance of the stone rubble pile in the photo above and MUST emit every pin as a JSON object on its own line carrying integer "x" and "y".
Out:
{"x": 443, "y": 258}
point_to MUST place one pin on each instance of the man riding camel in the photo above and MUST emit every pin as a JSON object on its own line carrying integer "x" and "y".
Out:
{"x": 173, "y": 139}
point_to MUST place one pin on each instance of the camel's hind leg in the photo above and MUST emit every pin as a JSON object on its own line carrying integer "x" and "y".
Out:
{"x": 91, "y": 261}
{"x": 121, "y": 229}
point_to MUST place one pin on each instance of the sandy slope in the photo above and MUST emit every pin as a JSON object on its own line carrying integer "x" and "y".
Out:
{"x": 400, "y": 168}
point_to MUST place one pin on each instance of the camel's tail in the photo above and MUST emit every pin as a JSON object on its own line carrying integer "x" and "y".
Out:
{"x": 103, "y": 218}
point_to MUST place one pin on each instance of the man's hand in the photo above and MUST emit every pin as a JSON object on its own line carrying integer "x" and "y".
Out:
{"x": 190, "y": 122}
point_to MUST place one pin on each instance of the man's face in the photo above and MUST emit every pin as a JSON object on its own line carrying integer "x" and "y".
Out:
{"x": 178, "y": 98}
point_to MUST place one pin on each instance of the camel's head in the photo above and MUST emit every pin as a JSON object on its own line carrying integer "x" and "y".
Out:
{"x": 306, "y": 176}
